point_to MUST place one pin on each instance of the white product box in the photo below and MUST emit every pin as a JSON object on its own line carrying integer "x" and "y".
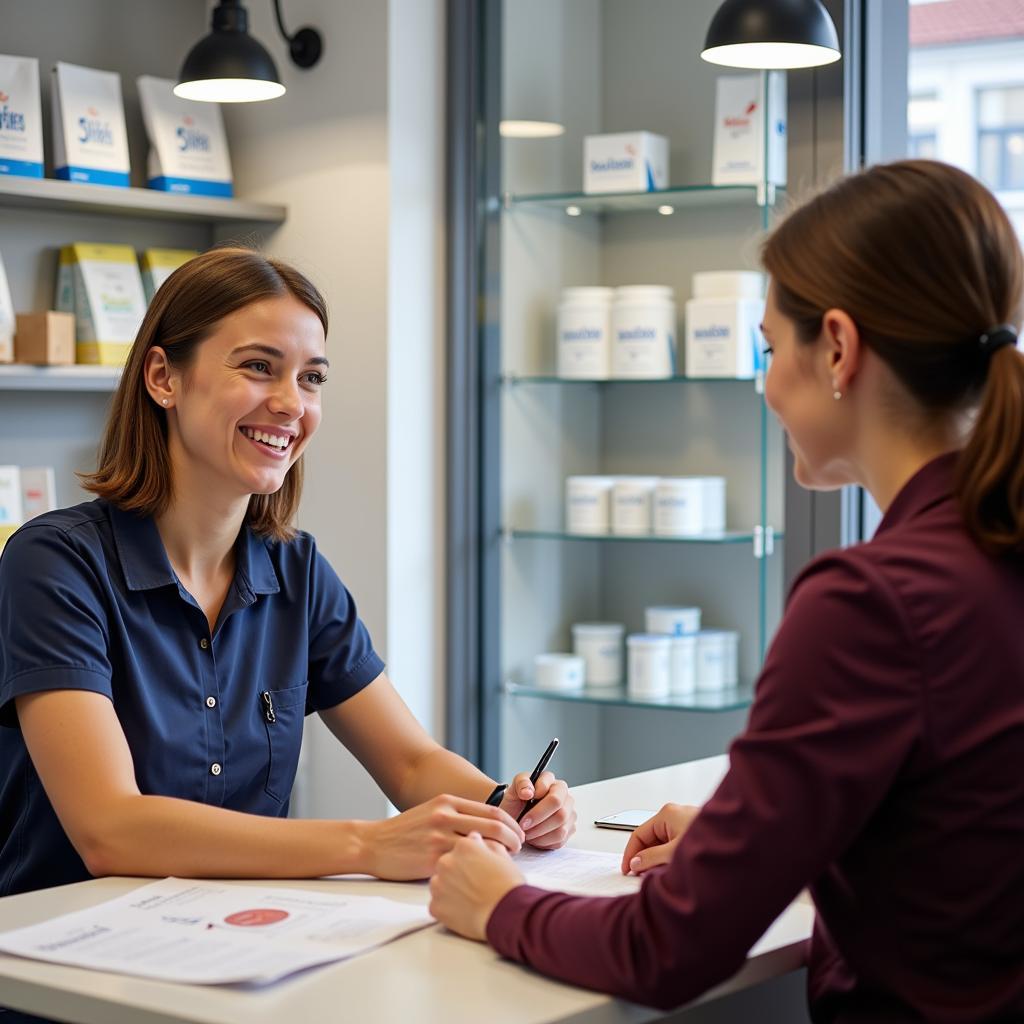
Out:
{"x": 90, "y": 141}
{"x": 21, "y": 118}
{"x": 650, "y": 666}
{"x": 584, "y": 339}
{"x": 7, "y": 318}
{"x": 643, "y": 330}
{"x": 10, "y": 502}
{"x": 723, "y": 338}
{"x": 625, "y": 162}
{"x": 102, "y": 286}
{"x": 728, "y": 284}
{"x": 38, "y": 491}
{"x": 688, "y": 505}
{"x": 588, "y": 503}
{"x": 599, "y": 644}
{"x": 633, "y": 505}
{"x": 188, "y": 147}
{"x": 746, "y": 108}
{"x": 159, "y": 264}
{"x": 717, "y": 659}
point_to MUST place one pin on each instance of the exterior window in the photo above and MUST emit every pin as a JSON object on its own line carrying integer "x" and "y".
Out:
{"x": 923, "y": 118}
{"x": 1001, "y": 137}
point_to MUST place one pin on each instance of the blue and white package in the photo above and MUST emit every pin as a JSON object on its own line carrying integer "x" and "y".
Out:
{"x": 21, "y": 118}
{"x": 188, "y": 148}
{"x": 90, "y": 141}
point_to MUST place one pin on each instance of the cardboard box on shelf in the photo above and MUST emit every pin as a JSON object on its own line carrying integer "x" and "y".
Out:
{"x": 159, "y": 264}
{"x": 10, "y": 502}
{"x": 21, "y": 122}
{"x": 45, "y": 339}
{"x": 38, "y": 491}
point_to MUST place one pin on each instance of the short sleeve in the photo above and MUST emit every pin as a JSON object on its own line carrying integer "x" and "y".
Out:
{"x": 341, "y": 656}
{"x": 53, "y": 626}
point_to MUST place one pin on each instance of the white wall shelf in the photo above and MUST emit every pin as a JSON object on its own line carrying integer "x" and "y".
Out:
{"x": 66, "y": 196}
{"x": 16, "y": 377}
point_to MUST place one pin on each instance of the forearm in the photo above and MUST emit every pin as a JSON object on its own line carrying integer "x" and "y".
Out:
{"x": 158, "y": 836}
{"x": 441, "y": 771}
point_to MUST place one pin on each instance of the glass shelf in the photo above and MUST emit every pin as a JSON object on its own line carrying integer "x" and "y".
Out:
{"x": 726, "y": 537}
{"x": 686, "y": 196}
{"x": 517, "y": 380}
{"x": 16, "y": 377}
{"x": 734, "y": 698}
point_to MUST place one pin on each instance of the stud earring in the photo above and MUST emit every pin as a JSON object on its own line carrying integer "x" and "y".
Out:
{"x": 837, "y": 395}
{"x": 163, "y": 401}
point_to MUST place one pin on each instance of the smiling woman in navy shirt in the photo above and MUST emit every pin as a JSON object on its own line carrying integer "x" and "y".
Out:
{"x": 160, "y": 645}
{"x": 882, "y": 762}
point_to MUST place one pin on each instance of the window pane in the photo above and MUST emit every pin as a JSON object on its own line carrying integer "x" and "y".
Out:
{"x": 1000, "y": 108}
{"x": 988, "y": 159}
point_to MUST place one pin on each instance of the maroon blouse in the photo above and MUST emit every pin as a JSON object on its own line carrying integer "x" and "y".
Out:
{"x": 883, "y": 766}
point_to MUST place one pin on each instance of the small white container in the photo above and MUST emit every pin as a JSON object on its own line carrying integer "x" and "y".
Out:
{"x": 563, "y": 673}
{"x": 717, "y": 659}
{"x": 689, "y": 505}
{"x": 584, "y": 333}
{"x": 600, "y": 646}
{"x": 723, "y": 338}
{"x": 683, "y": 665}
{"x": 650, "y": 665}
{"x": 643, "y": 326}
{"x": 672, "y": 620}
{"x": 633, "y": 505}
{"x": 588, "y": 503}
{"x": 728, "y": 284}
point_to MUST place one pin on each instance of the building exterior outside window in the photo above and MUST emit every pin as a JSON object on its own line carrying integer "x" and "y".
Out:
{"x": 966, "y": 87}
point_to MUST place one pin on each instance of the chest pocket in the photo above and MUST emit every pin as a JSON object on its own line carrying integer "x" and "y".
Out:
{"x": 283, "y": 713}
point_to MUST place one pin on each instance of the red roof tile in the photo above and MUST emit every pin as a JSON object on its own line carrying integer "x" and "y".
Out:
{"x": 964, "y": 21}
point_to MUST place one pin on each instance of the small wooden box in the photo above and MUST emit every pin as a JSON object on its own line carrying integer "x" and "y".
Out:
{"x": 45, "y": 339}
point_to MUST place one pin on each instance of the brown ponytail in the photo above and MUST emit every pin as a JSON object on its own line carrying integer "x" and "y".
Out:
{"x": 924, "y": 260}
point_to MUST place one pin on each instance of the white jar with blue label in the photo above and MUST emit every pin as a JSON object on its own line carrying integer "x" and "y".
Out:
{"x": 650, "y": 666}
{"x": 599, "y": 644}
{"x": 717, "y": 659}
{"x": 584, "y": 333}
{"x": 643, "y": 331}
{"x": 675, "y": 620}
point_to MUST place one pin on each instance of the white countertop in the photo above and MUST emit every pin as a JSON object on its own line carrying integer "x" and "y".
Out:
{"x": 430, "y": 977}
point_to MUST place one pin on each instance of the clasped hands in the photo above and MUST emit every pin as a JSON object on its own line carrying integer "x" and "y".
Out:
{"x": 476, "y": 874}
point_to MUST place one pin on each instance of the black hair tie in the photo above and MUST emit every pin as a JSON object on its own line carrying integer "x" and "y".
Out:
{"x": 996, "y": 337}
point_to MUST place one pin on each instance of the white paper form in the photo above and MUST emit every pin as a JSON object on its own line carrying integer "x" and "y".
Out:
{"x": 585, "y": 872}
{"x": 216, "y": 932}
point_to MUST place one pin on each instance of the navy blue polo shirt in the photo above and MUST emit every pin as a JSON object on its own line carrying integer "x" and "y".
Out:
{"x": 89, "y": 601}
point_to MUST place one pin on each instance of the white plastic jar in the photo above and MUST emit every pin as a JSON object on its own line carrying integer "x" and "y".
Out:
{"x": 717, "y": 659}
{"x": 683, "y": 665}
{"x": 584, "y": 333}
{"x": 643, "y": 332}
{"x": 674, "y": 620}
{"x": 588, "y": 503}
{"x": 650, "y": 671}
{"x": 600, "y": 646}
{"x": 633, "y": 505}
{"x": 563, "y": 673}
{"x": 686, "y": 505}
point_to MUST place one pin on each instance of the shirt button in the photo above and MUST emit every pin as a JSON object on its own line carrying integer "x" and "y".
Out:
{"x": 215, "y": 769}
{"x": 204, "y": 643}
{"x": 211, "y": 702}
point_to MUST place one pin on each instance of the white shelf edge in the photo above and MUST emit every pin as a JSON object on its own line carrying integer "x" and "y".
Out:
{"x": 50, "y": 194}
{"x": 16, "y": 377}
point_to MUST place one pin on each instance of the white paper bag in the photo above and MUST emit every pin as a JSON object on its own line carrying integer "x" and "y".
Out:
{"x": 90, "y": 141}
{"x": 21, "y": 119}
{"x": 188, "y": 147}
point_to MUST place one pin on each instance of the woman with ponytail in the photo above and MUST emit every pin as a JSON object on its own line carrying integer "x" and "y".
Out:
{"x": 881, "y": 766}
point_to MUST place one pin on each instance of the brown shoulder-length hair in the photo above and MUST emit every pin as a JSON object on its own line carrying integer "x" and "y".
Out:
{"x": 925, "y": 261}
{"x": 134, "y": 470}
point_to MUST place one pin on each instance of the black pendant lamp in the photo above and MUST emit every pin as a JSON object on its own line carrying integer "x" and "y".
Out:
{"x": 230, "y": 66}
{"x": 771, "y": 34}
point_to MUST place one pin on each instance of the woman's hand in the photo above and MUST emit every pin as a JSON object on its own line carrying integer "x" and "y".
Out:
{"x": 408, "y": 846}
{"x": 552, "y": 821}
{"x": 655, "y": 841}
{"x": 469, "y": 883}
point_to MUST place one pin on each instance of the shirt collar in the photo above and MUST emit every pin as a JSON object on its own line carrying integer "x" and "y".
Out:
{"x": 145, "y": 564}
{"x": 931, "y": 484}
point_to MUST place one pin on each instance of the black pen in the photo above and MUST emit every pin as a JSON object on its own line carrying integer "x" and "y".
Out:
{"x": 535, "y": 775}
